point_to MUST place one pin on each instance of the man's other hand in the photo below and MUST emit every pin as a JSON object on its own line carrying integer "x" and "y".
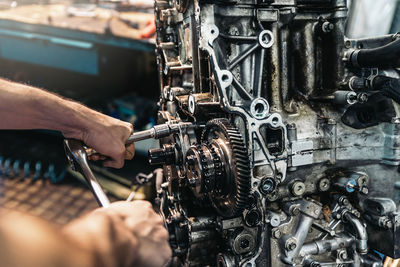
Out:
{"x": 125, "y": 234}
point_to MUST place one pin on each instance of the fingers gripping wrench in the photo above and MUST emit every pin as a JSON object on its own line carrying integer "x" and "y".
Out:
{"x": 78, "y": 158}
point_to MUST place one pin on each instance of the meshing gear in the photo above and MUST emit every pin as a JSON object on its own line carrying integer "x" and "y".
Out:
{"x": 231, "y": 167}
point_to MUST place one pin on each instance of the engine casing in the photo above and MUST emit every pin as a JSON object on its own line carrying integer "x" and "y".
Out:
{"x": 294, "y": 148}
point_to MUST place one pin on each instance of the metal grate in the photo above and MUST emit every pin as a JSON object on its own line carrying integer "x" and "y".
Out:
{"x": 58, "y": 203}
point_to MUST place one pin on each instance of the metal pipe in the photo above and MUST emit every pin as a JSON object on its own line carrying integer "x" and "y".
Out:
{"x": 360, "y": 231}
{"x": 327, "y": 245}
{"x": 309, "y": 211}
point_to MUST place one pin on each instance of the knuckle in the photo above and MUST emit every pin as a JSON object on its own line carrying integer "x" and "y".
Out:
{"x": 164, "y": 234}
{"x": 120, "y": 151}
{"x": 158, "y": 220}
{"x": 144, "y": 203}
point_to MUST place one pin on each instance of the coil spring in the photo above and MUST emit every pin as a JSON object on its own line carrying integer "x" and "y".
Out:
{"x": 17, "y": 168}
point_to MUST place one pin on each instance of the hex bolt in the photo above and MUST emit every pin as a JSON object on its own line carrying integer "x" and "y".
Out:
{"x": 364, "y": 191}
{"x": 344, "y": 201}
{"x": 267, "y": 185}
{"x": 290, "y": 244}
{"x": 362, "y": 97}
{"x": 342, "y": 255}
{"x": 327, "y": 27}
{"x": 298, "y": 188}
{"x": 276, "y": 233}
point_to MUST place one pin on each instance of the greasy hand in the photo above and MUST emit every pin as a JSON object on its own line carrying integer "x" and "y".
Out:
{"x": 125, "y": 234}
{"x": 108, "y": 137}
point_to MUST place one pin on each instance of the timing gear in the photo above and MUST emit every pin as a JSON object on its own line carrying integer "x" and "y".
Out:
{"x": 232, "y": 187}
{"x": 219, "y": 168}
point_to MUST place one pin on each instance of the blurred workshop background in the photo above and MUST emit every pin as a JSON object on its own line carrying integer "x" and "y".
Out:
{"x": 100, "y": 53}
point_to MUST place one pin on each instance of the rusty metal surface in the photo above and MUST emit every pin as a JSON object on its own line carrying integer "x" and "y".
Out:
{"x": 59, "y": 203}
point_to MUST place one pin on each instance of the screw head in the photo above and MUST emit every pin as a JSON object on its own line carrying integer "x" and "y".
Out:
{"x": 324, "y": 184}
{"x": 267, "y": 185}
{"x": 298, "y": 188}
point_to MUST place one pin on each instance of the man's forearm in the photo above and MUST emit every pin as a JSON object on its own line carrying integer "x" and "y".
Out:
{"x": 25, "y": 107}
{"x": 29, "y": 241}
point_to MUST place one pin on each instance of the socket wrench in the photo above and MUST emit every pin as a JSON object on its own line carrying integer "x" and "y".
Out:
{"x": 77, "y": 155}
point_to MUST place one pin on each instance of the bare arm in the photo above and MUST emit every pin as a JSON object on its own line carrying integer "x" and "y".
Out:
{"x": 126, "y": 234}
{"x": 25, "y": 107}
{"x": 29, "y": 241}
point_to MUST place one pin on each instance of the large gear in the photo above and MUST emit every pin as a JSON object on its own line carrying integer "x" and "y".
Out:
{"x": 231, "y": 167}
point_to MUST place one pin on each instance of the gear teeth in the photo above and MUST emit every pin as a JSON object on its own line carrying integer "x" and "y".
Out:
{"x": 241, "y": 164}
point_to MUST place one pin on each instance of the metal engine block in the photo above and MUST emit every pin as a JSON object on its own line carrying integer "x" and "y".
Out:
{"x": 291, "y": 145}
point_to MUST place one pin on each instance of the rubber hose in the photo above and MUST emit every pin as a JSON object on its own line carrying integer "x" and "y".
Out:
{"x": 380, "y": 57}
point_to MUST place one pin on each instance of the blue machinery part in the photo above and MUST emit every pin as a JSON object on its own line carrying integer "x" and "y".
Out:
{"x": 17, "y": 169}
{"x": 60, "y": 48}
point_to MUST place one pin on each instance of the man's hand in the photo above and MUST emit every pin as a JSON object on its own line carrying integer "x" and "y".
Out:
{"x": 108, "y": 137}
{"x": 38, "y": 109}
{"x": 125, "y": 234}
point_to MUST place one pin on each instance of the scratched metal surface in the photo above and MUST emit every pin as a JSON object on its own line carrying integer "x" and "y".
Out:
{"x": 58, "y": 203}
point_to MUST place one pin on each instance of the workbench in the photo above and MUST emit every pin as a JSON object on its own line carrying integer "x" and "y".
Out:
{"x": 90, "y": 56}
{"x": 49, "y": 35}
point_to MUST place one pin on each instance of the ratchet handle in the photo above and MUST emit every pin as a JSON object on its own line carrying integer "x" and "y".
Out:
{"x": 77, "y": 158}
{"x": 156, "y": 132}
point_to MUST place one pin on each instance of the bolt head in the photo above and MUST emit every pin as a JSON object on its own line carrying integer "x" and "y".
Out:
{"x": 276, "y": 233}
{"x": 364, "y": 190}
{"x": 324, "y": 184}
{"x": 267, "y": 185}
{"x": 244, "y": 243}
{"x": 290, "y": 244}
{"x": 389, "y": 224}
{"x": 298, "y": 188}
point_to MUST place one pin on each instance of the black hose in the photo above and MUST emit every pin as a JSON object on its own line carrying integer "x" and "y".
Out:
{"x": 380, "y": 57}
{"x": 389, "y": 87}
